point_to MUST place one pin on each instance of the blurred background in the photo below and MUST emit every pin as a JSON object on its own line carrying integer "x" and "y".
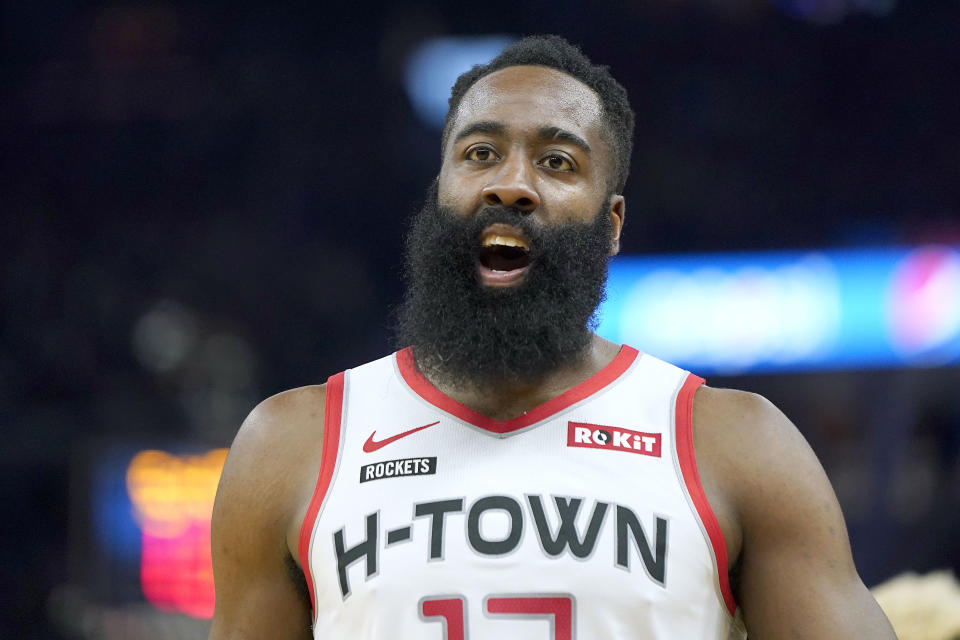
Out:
{"x": 203, "y": 205}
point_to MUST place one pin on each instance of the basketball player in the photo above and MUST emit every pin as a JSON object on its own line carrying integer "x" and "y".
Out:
{"x": 512, "y": 475}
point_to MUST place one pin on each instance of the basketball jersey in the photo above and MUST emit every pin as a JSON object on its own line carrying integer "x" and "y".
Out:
{"x": 582, "y": 518}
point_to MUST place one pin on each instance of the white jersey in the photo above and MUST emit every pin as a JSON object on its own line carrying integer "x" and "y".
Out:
{"x": 583, "y": 518}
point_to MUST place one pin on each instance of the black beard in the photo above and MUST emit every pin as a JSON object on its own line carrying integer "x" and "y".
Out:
{"x": 469, "y": 336}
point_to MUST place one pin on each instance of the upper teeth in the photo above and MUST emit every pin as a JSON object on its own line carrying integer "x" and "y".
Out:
{"x": 507, "y": 241}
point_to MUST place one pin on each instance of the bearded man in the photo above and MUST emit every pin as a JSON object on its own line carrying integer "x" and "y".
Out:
{"x": 508, "y": 473}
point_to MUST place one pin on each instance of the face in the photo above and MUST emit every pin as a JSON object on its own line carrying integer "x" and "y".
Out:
{"x": 506, "y": 262}
{"x": 529, "y": 138}
{"x": 466, "y": 333}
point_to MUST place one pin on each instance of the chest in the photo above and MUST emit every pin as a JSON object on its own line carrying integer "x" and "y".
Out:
{"x": 580, "y": 516}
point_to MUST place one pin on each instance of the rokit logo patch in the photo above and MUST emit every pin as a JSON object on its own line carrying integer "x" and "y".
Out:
{"x": 398, "y": 468}
{"x": 596, "y": 436}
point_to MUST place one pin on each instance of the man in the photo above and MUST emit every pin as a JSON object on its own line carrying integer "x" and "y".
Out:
{"x": 512, "y": 474}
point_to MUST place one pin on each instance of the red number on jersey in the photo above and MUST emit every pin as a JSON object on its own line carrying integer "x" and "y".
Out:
{"x": 449, "y": 610}
{"x": 557, "y": 608}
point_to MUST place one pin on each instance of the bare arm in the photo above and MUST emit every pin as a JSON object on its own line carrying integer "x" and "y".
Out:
{"x": 797, "y": 578}
{"x": 265, "y": 487}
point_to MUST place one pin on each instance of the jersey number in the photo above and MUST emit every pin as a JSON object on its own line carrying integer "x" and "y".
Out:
{"x": 450, "y": 611}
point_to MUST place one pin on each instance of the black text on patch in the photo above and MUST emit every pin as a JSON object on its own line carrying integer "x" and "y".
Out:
{"x": 398, "y": 468}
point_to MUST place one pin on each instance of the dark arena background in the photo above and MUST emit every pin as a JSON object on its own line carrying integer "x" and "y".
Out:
{"x": 203, "y": 205}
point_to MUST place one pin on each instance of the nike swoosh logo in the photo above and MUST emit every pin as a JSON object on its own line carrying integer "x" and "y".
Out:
{"x": 371, "y": 445}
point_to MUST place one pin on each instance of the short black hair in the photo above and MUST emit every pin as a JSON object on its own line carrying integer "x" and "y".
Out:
{"x": 557, "y": 53}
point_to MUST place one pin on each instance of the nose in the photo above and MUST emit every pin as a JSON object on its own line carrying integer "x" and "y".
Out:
{"x": 511, "y": 187}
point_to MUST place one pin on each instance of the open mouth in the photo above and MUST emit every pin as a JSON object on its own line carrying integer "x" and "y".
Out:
{"x": 503, "y": 253}
{"x": 503, "y": 256}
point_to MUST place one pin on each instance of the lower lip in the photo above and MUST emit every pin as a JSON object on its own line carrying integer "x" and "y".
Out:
{"x": 501, "y": 279}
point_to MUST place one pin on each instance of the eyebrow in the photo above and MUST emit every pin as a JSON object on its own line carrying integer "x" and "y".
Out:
{"x": 484, "y": 126}
{"x": 556, "y": 133}
{"x": 544, "y": 134}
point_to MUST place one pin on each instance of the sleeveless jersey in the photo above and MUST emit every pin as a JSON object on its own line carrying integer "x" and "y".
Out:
{"x": 582, "y": 518}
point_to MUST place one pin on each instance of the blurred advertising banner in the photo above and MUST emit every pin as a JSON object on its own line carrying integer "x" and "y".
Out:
{"x": 752, "y": 312}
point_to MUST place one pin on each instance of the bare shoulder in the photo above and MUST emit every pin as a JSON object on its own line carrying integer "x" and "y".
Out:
{"x": 797, "y": 577}
{"x": 734, "y": 432}
{"x": 731, "y": 414}
{"x": 276, "y": 452}
{"x": 754, "y": 453}
{"x": 264, "y": 491}
{"x": 280, "y": 425}
{"x": 754, "y": 461}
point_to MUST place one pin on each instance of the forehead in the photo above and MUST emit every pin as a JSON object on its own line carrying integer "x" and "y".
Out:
{"x": 532, "y": 96}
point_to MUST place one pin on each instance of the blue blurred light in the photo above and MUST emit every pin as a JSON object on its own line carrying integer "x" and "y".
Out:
{"x": 789, "y": 311}
{"x": 434, "y": 65}
{"x": 113, "y": 523}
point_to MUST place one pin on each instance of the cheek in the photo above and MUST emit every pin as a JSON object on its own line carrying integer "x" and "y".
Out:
{"x": 453, "y": 192}
{"x": 569, "y": 203}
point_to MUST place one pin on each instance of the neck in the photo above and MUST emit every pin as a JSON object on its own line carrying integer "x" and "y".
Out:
{"x": 509, "y": 401}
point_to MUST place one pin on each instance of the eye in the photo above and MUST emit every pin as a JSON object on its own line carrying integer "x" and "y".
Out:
{"x": 558, "y": 162}
{"x": 481, "y": 153}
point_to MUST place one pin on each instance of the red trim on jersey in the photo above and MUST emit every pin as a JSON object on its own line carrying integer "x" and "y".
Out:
{"x": 688, "y": 467}
{"x": 333, "y": 412}
{"x": 425, "y": 389}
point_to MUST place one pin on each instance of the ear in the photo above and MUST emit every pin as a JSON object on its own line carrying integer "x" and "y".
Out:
{"x": 618, "y": 208}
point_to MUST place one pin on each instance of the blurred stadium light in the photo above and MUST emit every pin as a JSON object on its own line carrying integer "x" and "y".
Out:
{"x": 163, "y": 517}
{"x": 789, "y": 311}
{"x": 434, "y": 65}
{"x": 172, "y": 498}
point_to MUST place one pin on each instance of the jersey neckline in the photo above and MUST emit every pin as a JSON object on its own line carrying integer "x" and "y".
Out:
{"x": 426, "y": 390}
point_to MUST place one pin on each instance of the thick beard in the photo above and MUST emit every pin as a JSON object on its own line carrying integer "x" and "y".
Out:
{"x": 466, "y": 335}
